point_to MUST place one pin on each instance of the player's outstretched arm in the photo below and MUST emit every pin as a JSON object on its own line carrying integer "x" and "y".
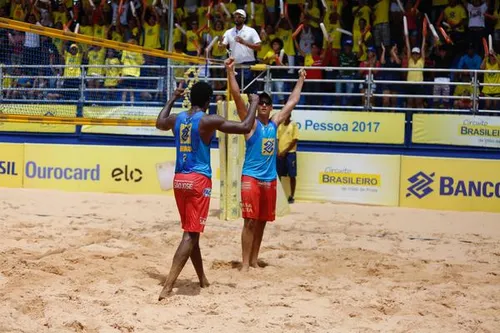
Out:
{"x": 165, "y": 120}
{"x": 294, "y": 98}
{"x": 215, "y": 122}
{"x": 234, "y": 89}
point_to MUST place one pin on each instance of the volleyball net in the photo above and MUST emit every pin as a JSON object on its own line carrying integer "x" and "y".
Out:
{"x": 72, "y": 66}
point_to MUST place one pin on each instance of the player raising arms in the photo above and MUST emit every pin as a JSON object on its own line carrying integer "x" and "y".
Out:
{"x": 193, "y": 132}
{"x": 258, "y": 181}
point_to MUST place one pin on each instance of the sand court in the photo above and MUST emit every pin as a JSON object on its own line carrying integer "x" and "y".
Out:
{"x": 88, "y": 262}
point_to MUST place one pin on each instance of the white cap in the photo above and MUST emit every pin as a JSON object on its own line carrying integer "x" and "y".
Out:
{"x": 241, "y": 12}
{"x": 415, "y": 50}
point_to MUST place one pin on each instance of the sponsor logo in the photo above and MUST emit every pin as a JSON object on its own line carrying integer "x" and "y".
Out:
{"x": 126, "y": 174}
{"x": 207, "y": 192}
{"x": 267, "y": 146}
{"x": 183, "y": 184}
{"x": 420, "y": 185}
{"x": 33, "y": 170}
{"x": 350, "y": 179}
{"x": 8, "y": 168}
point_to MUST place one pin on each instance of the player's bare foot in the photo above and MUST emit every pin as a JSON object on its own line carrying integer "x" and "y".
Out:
{"x": 204, "y": 282}
{"x": 244, "y": 268}
{"x": 166, "y": 291}
{"x": 254, "y": 265}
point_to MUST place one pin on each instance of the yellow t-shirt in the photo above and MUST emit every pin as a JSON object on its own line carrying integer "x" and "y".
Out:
{"x": 116, "y": 36}
{"x": 314, "y": 12}
{"x": 455, "y": 15}
{"x": 100, "y": 31}
{"x": 415, "y": 76}
{"x": 265, "y": 46}
{"x": 60, "y": 17}
{"x": 286, "y": 37}
{"x": 491, "y": 78}
{"x": 96, "y": 58}
{"x": 69, "y": 60}
{"x": 329, "y": 12}
{"x": 308, "y": 60}
{"x": 364, "y": 13}
{"x": 356, "y": 37}
{"x": 216, "y": 50}
{"x": 269, "y": 58}
{"x": 181, "y": 15}
{"x": 463, "y": 90}
{"x": 7, "y": 81}
{"x": 331, "y": 29}
{"x": 286, "y": 134}
{"x": 259, "y": 15}
{"x": 112, "y": 72}
{"x": 86, "y": 30}
{"x": 151, "y": 36}
{"x": 17, "y": 12}
{"x": 382, "y": 12}
{"x": 132, "y": 59}
{"x": 202, "y": 18}
{"x": 192, "y": 40}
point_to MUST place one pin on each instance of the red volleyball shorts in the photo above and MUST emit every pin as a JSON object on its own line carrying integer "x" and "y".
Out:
{"x": 192, "y": 194}
{"x": 258, "y": 199}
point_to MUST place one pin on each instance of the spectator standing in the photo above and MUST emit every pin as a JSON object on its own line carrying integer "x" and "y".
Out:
{"x": 347, "y": 59}
{"x": 316, "y": 58}
{"x": 288, "y": 136}
{"x": 112, "y": 73}
{"x": 243, "y": 41}
{"x": 193, "y": 40}
{"x": 272, "y": 58}
{"x": 442, "y": 60}
{"x": 131, "y": 70}
{"x": 381, "y": 27}
{"x": 477, "y": 10}
{"x": 391, "y": 60}
{"x": 470, "y": 60}
{"x": 362, "y": 39}
{"x": 490, "y": 63}
{"x": 72, "y": 71}
{"x": 266, "y": 37}
{"x": 284, "y": 31}
{"x": 31, "y": 52}
{"x": 373, "y": 62}
{"x": 333, "y": 21}
{"x": 416, "y": 59}
{"x": 454, "y": 20}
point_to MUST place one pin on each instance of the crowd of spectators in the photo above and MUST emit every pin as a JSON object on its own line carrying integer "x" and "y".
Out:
{"x": 359, "y": 33}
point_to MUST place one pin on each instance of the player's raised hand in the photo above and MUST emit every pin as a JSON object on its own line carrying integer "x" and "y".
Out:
{"x": 253, "y": 98}
{"x": 178, "y": 92}
{"x": 229, "y": 63}
{"x": 302, "y": 73}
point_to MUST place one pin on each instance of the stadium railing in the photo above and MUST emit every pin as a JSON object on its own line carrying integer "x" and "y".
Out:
{"x": 365, "y": 94}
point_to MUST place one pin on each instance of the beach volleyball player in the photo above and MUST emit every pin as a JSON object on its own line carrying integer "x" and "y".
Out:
{"x": 258, "y": 181}
{"x": 193, "y": 132}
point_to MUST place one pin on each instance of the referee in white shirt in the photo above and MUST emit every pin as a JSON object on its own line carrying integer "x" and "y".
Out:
{"x": 243, "y": 41}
